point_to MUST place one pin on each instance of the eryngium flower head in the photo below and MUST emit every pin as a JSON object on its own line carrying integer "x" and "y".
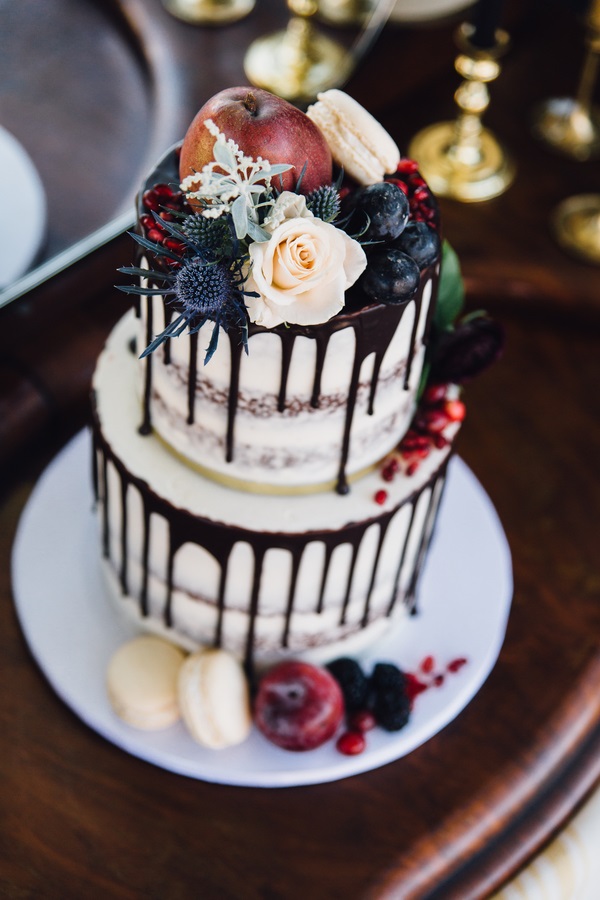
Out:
{"x": 206, "y": 291}
{"x": 468, "y": 349}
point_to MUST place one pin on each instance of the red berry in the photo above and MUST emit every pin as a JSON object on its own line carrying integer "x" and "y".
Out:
{"x": 421, "y": 194}
{"x": 387, "y": 473}
{"x": 380, "y": 497}
{"x": 456, "y": 664}
{"x": 351, "y": 743}
{"x": 414, "y": 686}
{"x": 438, "y": 680}
{"x": 172, "y": 244}
{"x": 433, "y": 420}
{"x": 362, "y": 720}
{"x": 439, "y": 441}
{"x": 412, "y": 468}
{"x": 434, "y": 394}
{"x": 427, "y": 665}
{"x": 155, "y": 235}
{"x": 455, "y": 410}
{"x": 409, "y": 166}
{"x": 150, "y": 200}
{"x": 163, "y": 191}
{"x": 147, "y": 221}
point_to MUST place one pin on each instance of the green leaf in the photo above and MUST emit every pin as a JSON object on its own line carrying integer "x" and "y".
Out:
{"x": 240, "y": 217}
{"x": 451, "y": 291}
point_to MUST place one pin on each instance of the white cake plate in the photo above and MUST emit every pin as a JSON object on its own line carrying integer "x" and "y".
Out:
{"x": 72, "y": 629}
{"x": 23, "y": 226}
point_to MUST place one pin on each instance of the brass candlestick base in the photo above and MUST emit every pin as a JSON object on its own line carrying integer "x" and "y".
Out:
{"x": 209, "y": 12}
{"x": 565, "y": 125}
{"x": 571, "y": 125}
{"x": 299, "y": 62}
{"x": 576, "y": 224}
{"x": 462, "y": 159}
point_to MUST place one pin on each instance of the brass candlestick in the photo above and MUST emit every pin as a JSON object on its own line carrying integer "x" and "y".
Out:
{"x": 298, "y": 62}
{"x": 576, "y": 224}
{"x": 571, "y": 125}
{"x": 462, "y": 159}
{"x": 209, "y": 12}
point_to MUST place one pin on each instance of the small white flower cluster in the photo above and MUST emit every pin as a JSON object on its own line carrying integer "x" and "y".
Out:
{"x": 233, "y": 183}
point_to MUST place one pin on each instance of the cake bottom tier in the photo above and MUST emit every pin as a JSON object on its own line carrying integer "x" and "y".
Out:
{"x": 262, "y": 575}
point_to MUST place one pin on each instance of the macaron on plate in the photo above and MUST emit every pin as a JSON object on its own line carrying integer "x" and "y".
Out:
{"x": 76, "y": 638}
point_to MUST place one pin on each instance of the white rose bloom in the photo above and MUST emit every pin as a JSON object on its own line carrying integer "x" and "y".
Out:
{"x": 302, "y": 272}
{"x": 287, "y": 206}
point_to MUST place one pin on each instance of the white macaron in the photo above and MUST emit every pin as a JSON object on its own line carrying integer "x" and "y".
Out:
{"x": 214, "y": 699}
{"x": 142, "y": 682}
{"x": 358, "y": 142}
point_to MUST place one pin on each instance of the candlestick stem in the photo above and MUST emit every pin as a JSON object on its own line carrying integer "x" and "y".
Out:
{"x": 571, "y": 125}
{"x": 462, "y": 159}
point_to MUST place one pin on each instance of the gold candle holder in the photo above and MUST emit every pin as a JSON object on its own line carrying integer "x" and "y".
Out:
{"x": 209, "y": 12}
{"x": 571, "y": 125}
{"x": 576, "y": 225}
{"x": 462, "y": 159}
{"x": 298, "y": 62}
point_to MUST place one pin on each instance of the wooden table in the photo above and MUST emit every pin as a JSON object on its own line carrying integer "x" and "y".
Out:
{"x": 455, "y": 818}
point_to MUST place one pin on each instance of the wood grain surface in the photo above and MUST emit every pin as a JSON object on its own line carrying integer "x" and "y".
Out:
{"x": 79, "y": 817}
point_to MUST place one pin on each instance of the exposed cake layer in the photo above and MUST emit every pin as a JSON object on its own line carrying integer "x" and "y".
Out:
{"x": 261, "y": 576}
{"x": 306, "y": 407}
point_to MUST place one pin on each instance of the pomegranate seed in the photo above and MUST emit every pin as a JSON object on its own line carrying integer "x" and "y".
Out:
{"x": 387, "y": 473}
{"x": 361, "y": 721}
{"x": 414, "y": 685}
{"x": 351, "y": 743}
{"x": 380, "y": 497}
{"x": 166, "y": 216}
{"x": 435, "y": 420}
{"x": 434, "y": 394}
{"x": 456, "y": 664}
{"x": 172, "y": 244}
{"x": 413, "y": 441}
{"x": 408, "y": 166}
{"x": 162, "y": 190}
{"x": 438, "y": 680}
{"x": 155, "y": 235}
{"x": 416, "y": 181}
{"x": 427, "y": 664}
{"x": 455, "y": 410}
{"x": 421, "y": 194}
{"x": 150, "y": 200}
{"x": 147, "y": 221}
{"x": 439, "y": 441}
{"x": 412, "y": 468}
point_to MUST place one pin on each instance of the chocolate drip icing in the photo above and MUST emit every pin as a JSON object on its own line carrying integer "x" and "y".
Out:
{"x": 218, "y": 540}
{"x": 192, "y": 375}
{"x": 146, "y": 426}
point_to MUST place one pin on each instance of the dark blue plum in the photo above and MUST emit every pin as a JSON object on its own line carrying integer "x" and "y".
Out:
{"x": 391, "y": 276}
{"x": 420, "y": 242}
{"x": 387, "y": 207}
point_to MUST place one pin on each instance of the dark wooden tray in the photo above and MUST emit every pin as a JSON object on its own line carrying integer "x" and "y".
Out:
{"x": 457, "y": 816}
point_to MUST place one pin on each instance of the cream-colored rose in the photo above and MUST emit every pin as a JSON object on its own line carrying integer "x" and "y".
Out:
{"x": 302, "y": 272}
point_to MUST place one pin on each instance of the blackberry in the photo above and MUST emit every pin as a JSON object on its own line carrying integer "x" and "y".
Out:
{"x": 353, "y": 682}
{"x": 389, "y": 698}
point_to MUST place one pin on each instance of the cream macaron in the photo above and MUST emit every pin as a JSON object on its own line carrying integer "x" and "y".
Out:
{"x": 214, "y": 699}
{"x": 141, "y": 681}
{"x": 358, "y": 142}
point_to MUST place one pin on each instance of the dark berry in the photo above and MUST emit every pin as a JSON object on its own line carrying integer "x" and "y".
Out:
{"x": 467, "y": 350}
{"x": 420, "y": 242}
{"x": 391, "y": 276}
{"x": 390, "y": 701}
{"x": 387, "y": 209}
{"x": 352, "y": 680}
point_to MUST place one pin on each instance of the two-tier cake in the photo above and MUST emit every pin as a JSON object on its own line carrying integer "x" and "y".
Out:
{"x": 268, "y": 473}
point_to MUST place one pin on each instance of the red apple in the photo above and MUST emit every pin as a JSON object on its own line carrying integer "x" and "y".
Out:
{"x": 298, "y": 706}
{"x": 261, "y": 124}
